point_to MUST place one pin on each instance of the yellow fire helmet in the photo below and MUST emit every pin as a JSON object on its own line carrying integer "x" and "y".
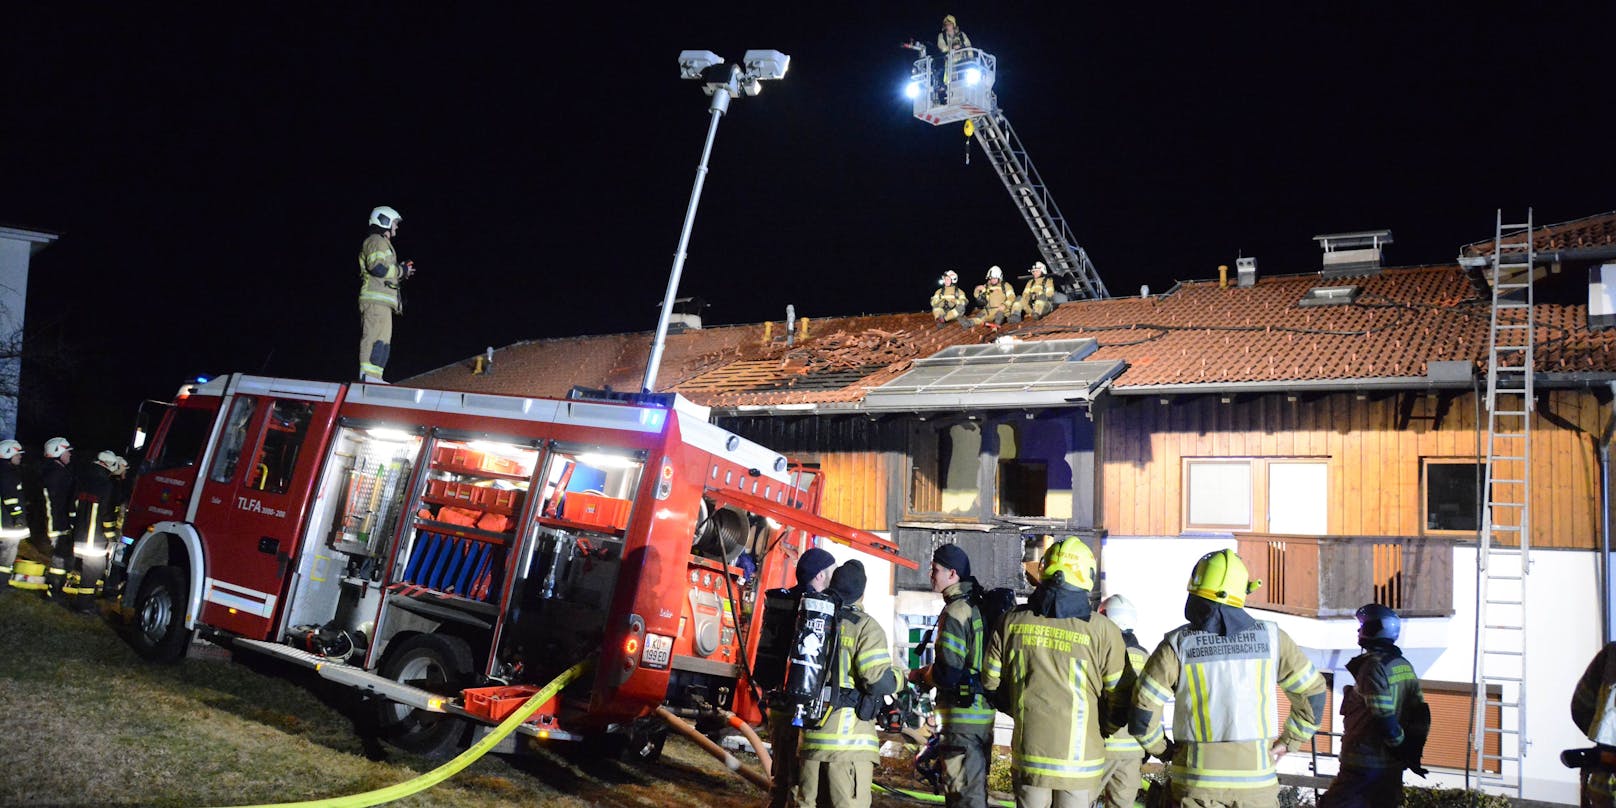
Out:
{"x": 1221, "y": 577}
{"x": 949, "y": 20}
{"x": 1073, "y": 559}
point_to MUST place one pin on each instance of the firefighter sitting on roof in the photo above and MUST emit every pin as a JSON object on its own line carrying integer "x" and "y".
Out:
{"x": 948, "y": 302}
{"x": 995, "y": 297}
{"x": 1038, "y": 298}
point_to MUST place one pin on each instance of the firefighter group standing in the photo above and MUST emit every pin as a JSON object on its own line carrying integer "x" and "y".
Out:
{"x": 80, "y": 518}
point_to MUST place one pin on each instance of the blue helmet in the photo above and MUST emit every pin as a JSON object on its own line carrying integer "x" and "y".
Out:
{"x": 1376, "y": 622}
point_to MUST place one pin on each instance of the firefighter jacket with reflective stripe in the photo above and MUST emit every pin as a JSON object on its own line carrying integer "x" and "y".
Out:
{"x": 1384, "y": 685}
{"x": 13, "y": 522}
{"x": 1038, "y": 290}
{"x": 1059, "y": 678}
{"x": 995, "y": 296}
{"x": 863, "y": 665}
{"x": 1122, "y": 743}
{"x": 96, "y": 522}
{"x": 376, "y": 254}
{"x": 56, "y": 480}
{"x": 948, "y": 299}
{"x": 957, "y": 659}
{"x": 946, "y": 43}
{"x": 1222, "y": 689}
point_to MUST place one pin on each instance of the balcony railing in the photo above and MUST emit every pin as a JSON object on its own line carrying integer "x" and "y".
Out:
{"x": 1331, "y": 576}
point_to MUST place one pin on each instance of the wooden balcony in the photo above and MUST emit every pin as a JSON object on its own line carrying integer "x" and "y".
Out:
{"x": 1331, "y": 576}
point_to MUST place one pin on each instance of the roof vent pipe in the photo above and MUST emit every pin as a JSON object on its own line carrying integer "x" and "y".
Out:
{"x": 1223, "y": 276}
{"x": 791, "y": 324}
{"x": 1246, "y": 272}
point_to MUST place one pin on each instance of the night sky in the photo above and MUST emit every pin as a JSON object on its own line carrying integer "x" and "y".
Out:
{"x": 210, "y": 168}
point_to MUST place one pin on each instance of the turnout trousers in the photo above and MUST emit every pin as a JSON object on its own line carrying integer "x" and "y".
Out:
{"x": 375, "y": 338}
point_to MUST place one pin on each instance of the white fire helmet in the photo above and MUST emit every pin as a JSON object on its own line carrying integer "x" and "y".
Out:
{"x": 9, "y": 449}
{"x": 111, "y": 462}
{"x": 385, "y": 217}
{"x": 950, "y": 277}
{"x": 1121, "y": 611}
{"x": 1038, "y": 268}
{"x": 995, "y": 274}
{"x": 56, "y": 447}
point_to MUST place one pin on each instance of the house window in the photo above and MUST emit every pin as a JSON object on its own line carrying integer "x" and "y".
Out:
{"x": 943, "y": 470}
{"x": 1218, "y": 494}
{"x": 1023, "y": 481}
{"x": 1452, "y": 496}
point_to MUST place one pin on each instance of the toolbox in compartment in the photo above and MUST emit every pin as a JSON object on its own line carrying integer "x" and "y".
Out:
{"x": 588, "y": 508}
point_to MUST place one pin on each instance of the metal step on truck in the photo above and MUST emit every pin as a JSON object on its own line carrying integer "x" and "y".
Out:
{"x": 444, "y": 552}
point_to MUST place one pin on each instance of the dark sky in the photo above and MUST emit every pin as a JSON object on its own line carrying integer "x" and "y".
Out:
{"x": 210, "y": 168}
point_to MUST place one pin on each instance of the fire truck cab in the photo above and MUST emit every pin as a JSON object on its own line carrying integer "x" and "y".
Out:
{"x": 415, "y": 544}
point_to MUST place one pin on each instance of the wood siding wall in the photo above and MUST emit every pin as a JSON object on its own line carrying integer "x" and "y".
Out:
{"x": 1373, "y": 447}
{"x": 859, "y": 457}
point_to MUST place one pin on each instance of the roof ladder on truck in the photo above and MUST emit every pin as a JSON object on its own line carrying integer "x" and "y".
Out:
{"x": 966, "y": 93}
{"x": 1498, "y": 734}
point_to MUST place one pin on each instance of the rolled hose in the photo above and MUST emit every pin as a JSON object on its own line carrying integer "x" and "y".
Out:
{"x": 463, "y": 760}
{"x": 679, "y": 724}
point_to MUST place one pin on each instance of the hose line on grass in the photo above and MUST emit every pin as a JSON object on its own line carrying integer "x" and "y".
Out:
{"x": 938, "y": 798}
{"x": 461, "y": 761}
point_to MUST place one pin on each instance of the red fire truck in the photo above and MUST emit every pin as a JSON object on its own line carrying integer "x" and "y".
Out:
{"x": 416, "y": 544}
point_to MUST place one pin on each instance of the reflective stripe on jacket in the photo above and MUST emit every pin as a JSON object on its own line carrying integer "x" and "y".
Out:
{"x": 1038, "y": 289}
{"x": 1058, "y": 677}
{"x": 57, "y": 481}
{"x": 959, "y": 646}
{"x": 948, "y": 298}
{"x": 1383, "y": 685}
{"x": 378, "y": 251}
{"x": 1121, "y": 743}
{"x": 862, "y": 661}
{"x": 1223, "y": 691}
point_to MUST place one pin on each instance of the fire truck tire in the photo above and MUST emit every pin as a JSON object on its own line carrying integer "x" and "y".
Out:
{"x": 158, "y": 631}
{"x": 435, "y": 662}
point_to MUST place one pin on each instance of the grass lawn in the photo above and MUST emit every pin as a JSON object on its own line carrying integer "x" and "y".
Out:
{"x": 87, "y": 722}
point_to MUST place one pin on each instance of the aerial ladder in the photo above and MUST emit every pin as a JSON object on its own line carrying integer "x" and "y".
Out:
{"x": 958, "y": 86}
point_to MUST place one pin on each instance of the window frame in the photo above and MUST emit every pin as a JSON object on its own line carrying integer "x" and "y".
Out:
{"x": 1425, "y": 493}
{"x": 1258, "y": 513}
{"x": 1251, "y": 493}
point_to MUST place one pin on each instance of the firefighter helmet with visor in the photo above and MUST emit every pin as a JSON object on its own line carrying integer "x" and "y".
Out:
{"x": 385, "y": 217}
{"x": 9, "y": 449}
{"x": 1376, "y": 622}
{"x": 56, "y": 447}
{"x": 1073, "y": 560}
{"x": 1121, "y": 611}
{"x": 1221, "y": 577}
{"x": 112, "y": 462}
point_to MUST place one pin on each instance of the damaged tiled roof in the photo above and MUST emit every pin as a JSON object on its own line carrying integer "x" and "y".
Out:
{"x": 1199, "y": 334}
{"x": 1590, "y": 231}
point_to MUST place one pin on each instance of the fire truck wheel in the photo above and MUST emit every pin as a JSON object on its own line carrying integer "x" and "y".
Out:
{"x": 158, "y": 632}
{"x": 437, "y": 663}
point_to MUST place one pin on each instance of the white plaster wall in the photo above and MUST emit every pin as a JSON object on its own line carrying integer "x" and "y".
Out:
{"x": 14, "y": 255}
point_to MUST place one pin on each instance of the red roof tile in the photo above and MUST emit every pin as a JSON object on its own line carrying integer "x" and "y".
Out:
{"x": 1404, "y": 319}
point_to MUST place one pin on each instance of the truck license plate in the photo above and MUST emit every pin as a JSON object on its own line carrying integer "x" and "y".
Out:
{"x": 658, "y": 650}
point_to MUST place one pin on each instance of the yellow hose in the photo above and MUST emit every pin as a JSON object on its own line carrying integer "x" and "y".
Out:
{"x": 465, "y": 758}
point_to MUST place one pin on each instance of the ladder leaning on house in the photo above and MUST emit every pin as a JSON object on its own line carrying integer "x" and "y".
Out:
{"x": 1503, "y": 560}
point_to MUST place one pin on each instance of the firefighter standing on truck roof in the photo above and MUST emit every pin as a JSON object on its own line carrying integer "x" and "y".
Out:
{"x": 956, "y": 670}
{"x": 57, "y": 486}
{"x": 1220, "y": 671}
{"x": 1056, "y": 667}
{"x": 13, "y": 521}
{"x": 813, "y": 575}
{"x": 1593, "y": 710}
{"x": 839, "y": 756}
{"x": 95, "y": 527}
{"x": 1386, "y": 720}
{"x": 1119, "y": 787}
{"x": 380, "y": 276}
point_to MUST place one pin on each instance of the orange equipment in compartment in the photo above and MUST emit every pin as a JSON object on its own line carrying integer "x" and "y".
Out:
{"x": 591, "y": 508}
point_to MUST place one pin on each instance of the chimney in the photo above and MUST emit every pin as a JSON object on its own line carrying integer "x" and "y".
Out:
{"x": 686, "y": 314}
{"x": 1245, "y": 272}
{"x": 1350, "y": 254}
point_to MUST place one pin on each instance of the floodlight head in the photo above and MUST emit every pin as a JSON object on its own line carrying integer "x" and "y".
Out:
{"x": 912, "y": 90}
{"x": 766, "y": 64}
{"x": 693, "y": 62}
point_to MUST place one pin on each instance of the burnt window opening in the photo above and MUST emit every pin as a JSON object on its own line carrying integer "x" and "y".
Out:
{"x": 1034, "y": 467}
{"x": 944, "y": 460}
{"x": 1452, "y": 496}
